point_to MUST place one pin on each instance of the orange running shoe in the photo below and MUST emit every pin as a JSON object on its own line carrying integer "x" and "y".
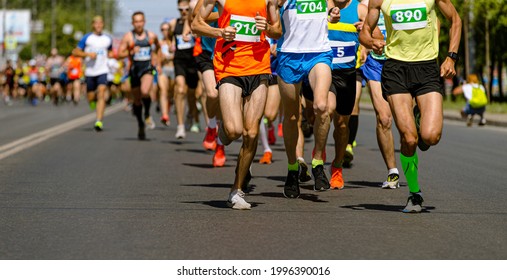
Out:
{"x": 165, "y": 120}
{"x": 336, "y": 178}
{"x": 280, "y": 130}
{"x": 219, "y": 156}
{"x": 266, "y": 158}
{"x": 210, "y": 140}
{"x": 271, "y": 135}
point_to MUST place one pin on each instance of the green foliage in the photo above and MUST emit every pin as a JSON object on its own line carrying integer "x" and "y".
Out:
{"x": 67, "y": 12}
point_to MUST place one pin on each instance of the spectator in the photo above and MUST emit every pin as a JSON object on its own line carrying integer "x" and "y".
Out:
{"x": 475, "y": 95}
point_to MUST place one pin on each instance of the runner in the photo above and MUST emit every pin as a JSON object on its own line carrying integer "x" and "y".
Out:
{"x": 73, "y": 64}
{"x": 166, "y": 72}
{"x": 371, "y": 71}
{"x": 54, "y": 68}
{"x": 242, "y": 69}
{"x": 205, "y": 66}
{"x": 304, "y": 52}
{"x": 141, "y": 46}
{"x": 184, "y": 66}
{"x": 344, "y": 37}
{"x": 412, "y": 49}
{"x": 95, "y": 48}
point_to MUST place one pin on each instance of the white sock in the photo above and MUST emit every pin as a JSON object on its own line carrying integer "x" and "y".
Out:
{"x": 300, "y": 159}
{"x": 264, "y": 137}
{"x": 393, "y": 170}
{"x": 212, "y": 123}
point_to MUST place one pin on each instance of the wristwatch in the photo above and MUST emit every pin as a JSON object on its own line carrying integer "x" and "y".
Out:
{"x": 454, "y": 56}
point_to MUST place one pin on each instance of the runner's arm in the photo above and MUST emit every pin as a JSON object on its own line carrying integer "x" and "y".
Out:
{"x": 211, "y": 18}
{"x": 370, "y": 24}
{"x": 199, "y": 25}
{"x": 123, "y": 50}
{"x": 447, "y": 69}
{"x": 273, "y": 28}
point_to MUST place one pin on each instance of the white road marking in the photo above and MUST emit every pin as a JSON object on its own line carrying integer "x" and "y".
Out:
{"x": 41, "y": 136}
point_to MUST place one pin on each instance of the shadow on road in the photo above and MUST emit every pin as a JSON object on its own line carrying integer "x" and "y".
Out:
{"x": 197, "y": 151}
{"x": 203, "y": 165}
{"x": 134, "y": 139}
{"x": 303, "y": 196}
{"x": 208, "y": 185}
{"x": 368, "y": 184}
{"x": 382, "y": 207}
{"x": 222, "y": 204}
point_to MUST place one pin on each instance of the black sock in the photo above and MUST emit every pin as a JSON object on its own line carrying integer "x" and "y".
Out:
{"x": 353, "y": 125}
{"x": 138, "y": 112}
{"x": 147, "y": 105}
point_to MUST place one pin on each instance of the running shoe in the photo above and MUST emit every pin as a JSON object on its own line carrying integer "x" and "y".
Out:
{"x": 219, "y": 156}
{"x": 392, "y": 181}
{"x": 237, "y": 201}
{"x": 196, "y": 128}
{"x": 349, "y": 156}
{"x": 414, "y": 203}
{"x": 180, "y": 132}
{"x": 319, "y": 176}
{"x": 337, "y": 178}
{"x": 482, "y": 122}
{"x": 420, "y": 143}
{"x": 149, "y": 122}
{"x": 266, "y": 158}
{"x": 98, "y": 126}
{"x": 304, "y": 172}
{"x": 291, "y": 187}
{"x": 271, "y": 135}
{"x": 280, "y": 130}
{"x": 165, "y": 120}
{"x": 210, "y": 140}
{"x": 141, "y": 133}
{"x": 222, "y": 135}
{"x": 354, "y": 144}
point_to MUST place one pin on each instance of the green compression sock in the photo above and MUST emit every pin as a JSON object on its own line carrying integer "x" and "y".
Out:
{"x": 316, "y": 162}
{"x": 409, "y": 165}
{"x": 294, "y": 167}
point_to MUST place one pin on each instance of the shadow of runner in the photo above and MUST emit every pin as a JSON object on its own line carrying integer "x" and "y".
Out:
{"x": 383, "y": 207}
{"x": 221, "y": 204}
{"x": 204, "y": 165}
{"x": 303, "y": 196}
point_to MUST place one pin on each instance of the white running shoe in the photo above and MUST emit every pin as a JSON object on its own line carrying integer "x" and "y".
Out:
{"x": 237, "y": 201}
{"x": 180, "y": 132}
{"x": 150, "y": 124}
{"x": 392, "y": 181}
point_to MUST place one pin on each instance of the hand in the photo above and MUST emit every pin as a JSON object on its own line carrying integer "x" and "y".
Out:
{"x": 378, "y": 46}
{"x": 134, "y": 50}
{"x": 359, "y": 25}
{"x": 92, "y": 55}
{"x": 229, "y": 33}
{"x": 447, "y": 68}
{"x": 334, "y": 15}
{"x": 261, "y": 22}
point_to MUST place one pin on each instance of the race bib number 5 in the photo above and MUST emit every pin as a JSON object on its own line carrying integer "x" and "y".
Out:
{"x": 311, "y": 9}
{"x": 409, "y": 16}
{"x": 343, "y": 52}
{"x": 246, "y": 31}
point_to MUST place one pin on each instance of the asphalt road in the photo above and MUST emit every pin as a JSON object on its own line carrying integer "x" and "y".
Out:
{"x": 87, "y": 195}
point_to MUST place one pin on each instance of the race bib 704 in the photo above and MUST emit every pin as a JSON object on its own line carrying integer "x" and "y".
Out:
{"x": 311, "y": 9}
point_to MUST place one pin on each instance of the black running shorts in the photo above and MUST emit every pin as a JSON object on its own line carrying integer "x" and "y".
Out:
{"x": 247, "y": 83}
{"x": 188, "y": 69}
{"x": 343, "y": 86}
{"x": 204, "y": 61}
{"x": 416, "y": 78}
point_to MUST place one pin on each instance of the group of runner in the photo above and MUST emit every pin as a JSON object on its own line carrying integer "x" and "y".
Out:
{"x": 240, "y": 61}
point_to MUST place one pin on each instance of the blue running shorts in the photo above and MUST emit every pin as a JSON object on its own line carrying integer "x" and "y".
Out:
{"x": 292, "y": 68}
{"x": 372, "y": 69}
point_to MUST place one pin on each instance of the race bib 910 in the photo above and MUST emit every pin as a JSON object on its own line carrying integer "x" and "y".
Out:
{"x": 246, "y": 31}
{"x": 311, "y": 9}
{"x": 409, "y": 16}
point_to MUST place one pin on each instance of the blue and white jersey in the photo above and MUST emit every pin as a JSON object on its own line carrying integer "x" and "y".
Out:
{"x": 101, "y": 45}
{"x": 344, "y": 38}
{"x": 304, "y": 27}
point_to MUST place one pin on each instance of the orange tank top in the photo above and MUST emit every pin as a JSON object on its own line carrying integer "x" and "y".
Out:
{"x": 249, "y": 53}
{"x": 74, "y": 69}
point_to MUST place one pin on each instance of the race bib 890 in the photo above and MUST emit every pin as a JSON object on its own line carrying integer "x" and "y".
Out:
{"x": 409, "y": 16}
